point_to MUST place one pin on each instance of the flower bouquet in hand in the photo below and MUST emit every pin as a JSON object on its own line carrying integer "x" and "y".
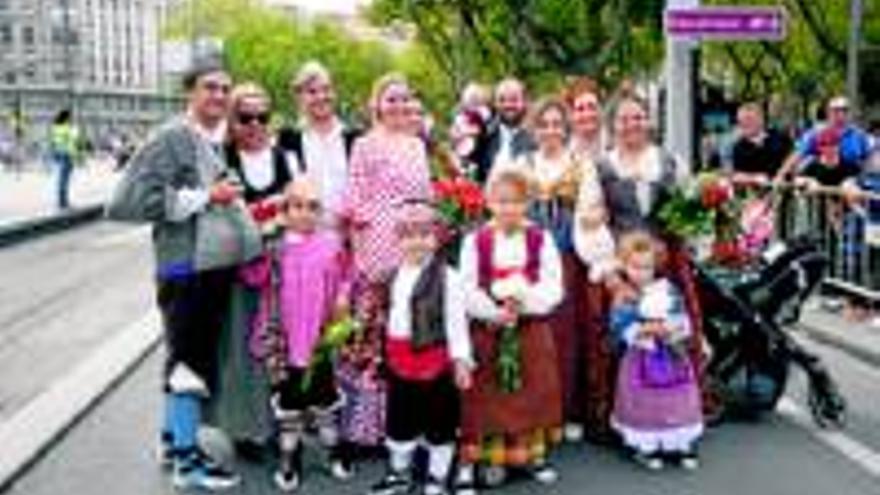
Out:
{"x": 267, "y": 214}
{"x": 335, "y": 335}
{"x": 508, "y": 364}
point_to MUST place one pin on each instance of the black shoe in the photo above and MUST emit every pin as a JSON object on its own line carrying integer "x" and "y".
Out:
{"x": 250, "y": 450}
{"x": 393, "y": 483}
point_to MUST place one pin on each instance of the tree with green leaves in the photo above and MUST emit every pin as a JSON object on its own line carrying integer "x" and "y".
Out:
{"x": 538, "y": 40}
{"x": 267, "y": 46}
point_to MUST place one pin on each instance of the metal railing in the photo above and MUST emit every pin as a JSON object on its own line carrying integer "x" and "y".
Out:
{"x": 845, "y": 222}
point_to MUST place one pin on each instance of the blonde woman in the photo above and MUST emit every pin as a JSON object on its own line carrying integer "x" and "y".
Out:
{"x": 388, "y": 166}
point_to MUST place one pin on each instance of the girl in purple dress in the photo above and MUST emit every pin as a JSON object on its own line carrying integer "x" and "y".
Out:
{"x": 657, "y": 409}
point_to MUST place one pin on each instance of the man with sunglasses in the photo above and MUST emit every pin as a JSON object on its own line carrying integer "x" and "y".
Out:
{"x": 170, "y": 183}
{"x": 854, "y": 143}
{"x": 321, "y": 145}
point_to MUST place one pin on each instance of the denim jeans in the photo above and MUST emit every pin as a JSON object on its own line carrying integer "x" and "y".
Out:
{"x": 64, "y": 165}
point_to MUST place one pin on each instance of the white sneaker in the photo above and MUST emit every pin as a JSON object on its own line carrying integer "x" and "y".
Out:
{"x": 689, "y": 462}
{"x": 652, "y": 462}
{"x": 340, "y": 470}
{"x": 545, "y": 474}
{"x": 286, "y": 482}
{"x": 573, "y": 432}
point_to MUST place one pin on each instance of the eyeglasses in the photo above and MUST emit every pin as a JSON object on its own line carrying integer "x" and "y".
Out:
{"x": 249, "y": 118}
{"x": 313, "y": 205}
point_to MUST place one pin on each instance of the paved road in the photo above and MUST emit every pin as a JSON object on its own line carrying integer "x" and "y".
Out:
{"x": 31, "y": 193}
{"x": 62, "y": 296}
{"x": 111, "y": 451}
{"x": 65, "y": 294}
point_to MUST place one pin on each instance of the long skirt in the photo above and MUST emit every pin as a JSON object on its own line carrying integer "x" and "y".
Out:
{"x": 358, "y": 373}
{"x": 653, "y": 417}
{"x": 241, "y": 404}
{"x": 602, "y": 362}
{"x": 516, "y": 428}
{"x": 568, "y": 334}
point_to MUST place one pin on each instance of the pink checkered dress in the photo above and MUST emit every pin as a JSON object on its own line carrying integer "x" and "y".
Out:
{"x": 384, "y": 172}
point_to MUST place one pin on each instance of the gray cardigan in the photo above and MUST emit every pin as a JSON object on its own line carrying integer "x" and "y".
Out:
{"x": 166, "y": 163}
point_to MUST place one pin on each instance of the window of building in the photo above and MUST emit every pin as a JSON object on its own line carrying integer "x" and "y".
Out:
{"x": 9, "y": 77}
{"x": 5, "y": 33}
{"x": 27, "y": 35}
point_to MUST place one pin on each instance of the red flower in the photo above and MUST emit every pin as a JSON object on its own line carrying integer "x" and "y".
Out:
{"x": 263, "y": 211}
{"x": 444, "y": 188}
{"x": 715, "y": 193}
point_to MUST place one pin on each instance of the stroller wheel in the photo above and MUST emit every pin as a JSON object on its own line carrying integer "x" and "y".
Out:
{"x": 827, "y": 406}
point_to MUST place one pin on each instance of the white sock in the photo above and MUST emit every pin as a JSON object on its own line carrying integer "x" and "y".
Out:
{"x": 439, "y": 460}
{"x": 400, "y": 454}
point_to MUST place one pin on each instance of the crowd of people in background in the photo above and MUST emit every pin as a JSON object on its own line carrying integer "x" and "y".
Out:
{"x": 566, "y": 315}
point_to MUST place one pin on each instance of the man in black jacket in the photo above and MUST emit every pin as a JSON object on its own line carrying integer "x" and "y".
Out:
{"x": 507, "y": 137}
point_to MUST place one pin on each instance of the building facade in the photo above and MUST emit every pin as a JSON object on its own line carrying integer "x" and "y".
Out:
{"x": 102, "y": 58}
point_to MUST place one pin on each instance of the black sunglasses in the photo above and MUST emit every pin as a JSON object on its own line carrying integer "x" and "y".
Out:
{"x": 249, "y": 118}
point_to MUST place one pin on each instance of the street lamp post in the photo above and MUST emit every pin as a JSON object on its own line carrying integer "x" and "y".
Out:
{"x": 679, "y": 116}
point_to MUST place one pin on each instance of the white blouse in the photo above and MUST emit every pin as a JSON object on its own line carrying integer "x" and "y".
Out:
{"x": 458, "y": 340}
{"x": 510, "y": 251}
{"x": 258, "y": 168}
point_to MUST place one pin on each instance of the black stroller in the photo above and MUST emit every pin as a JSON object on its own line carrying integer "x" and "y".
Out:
{"x": 746, "y": 313}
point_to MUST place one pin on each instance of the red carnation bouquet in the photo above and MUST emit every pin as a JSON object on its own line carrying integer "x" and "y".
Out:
{"x": 461, "y": 204}
{"x": 460, "y": 201}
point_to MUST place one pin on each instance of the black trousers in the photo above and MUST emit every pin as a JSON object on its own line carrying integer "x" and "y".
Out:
{"x": 194, "y": 309}
{"x": 422, "y": 408}
{"x": 321, "y": 392}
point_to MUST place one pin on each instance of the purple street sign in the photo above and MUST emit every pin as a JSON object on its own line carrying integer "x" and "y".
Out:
{"x": 726, "y": 23}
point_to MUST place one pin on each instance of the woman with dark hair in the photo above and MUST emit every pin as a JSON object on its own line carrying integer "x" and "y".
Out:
{"x": 556, "y": 172}
{"x": 635, "y": 177}
{"x": 64, "y": 141}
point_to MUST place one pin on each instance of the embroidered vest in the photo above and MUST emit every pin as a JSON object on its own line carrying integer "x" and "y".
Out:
{"x": 427, "y": 306}
{"x": 485, "y": 245}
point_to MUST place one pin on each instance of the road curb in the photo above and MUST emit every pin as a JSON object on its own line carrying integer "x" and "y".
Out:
{"x": 24, "y": 230}
{"x": 867, "y": 356}
{"x": 43, "y": 421}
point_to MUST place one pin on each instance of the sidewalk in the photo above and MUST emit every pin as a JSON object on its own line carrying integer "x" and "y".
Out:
{"x": 859, "y": 339}
{"x": 27, "y": 198}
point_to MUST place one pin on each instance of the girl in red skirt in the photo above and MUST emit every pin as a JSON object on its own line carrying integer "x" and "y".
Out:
{"x": 513, "y": 275}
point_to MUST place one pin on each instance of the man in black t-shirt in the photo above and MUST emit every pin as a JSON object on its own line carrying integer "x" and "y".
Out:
{"x": 758, "y": 152}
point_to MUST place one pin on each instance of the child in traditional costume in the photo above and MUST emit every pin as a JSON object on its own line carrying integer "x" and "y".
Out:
{"x": 657, "y": 408}
{"x": 427, "y": 357}
{"x": 512, "y": 414}
{"x": 304, "y": 283}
